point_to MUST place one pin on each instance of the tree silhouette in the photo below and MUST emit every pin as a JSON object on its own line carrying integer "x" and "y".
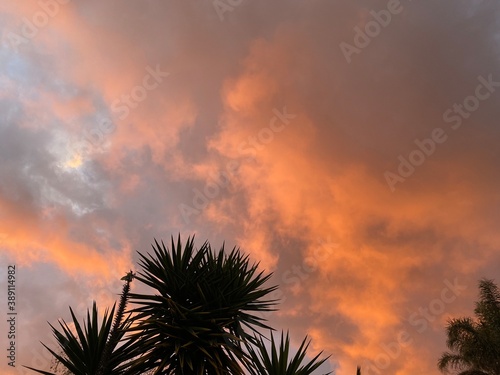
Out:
{"x": 475, "y": 343}
{"x": 203, "y": 316}
{"x": 203, "y": 305}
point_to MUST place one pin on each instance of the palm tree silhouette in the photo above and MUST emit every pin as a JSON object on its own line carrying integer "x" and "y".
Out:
{"x": 475, "y": 344}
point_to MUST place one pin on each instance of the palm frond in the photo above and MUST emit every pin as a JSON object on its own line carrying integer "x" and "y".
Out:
{"x": 475, "y": 343}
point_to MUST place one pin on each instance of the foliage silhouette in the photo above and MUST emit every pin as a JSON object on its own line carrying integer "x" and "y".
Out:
{"x": 81, "y": 353}
{"x": 203, "y": 304}
{"x": 279, "y": 360}
{"x": 475, "y": 344}
{"x": 118, "y": 328}
{"x": 203, "y": 316}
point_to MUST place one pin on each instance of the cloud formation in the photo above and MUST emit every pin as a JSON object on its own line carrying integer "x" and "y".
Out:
{"x": 123, "y": 122}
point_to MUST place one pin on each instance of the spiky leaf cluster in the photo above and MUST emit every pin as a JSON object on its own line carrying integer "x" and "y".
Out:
{"x": 204, "y": 304}
{"x": 203, "y": 317}
{"x": 81, "y": 351}
{"x": 280, "y": 361}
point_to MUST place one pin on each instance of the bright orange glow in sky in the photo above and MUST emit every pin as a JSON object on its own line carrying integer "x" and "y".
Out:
{"x": 349, "y": 147}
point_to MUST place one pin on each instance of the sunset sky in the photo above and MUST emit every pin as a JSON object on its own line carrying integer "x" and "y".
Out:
{"x": 350, "y": 147}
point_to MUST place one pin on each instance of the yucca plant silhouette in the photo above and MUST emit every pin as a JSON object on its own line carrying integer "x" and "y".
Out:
{"x": 203, "y": 317}
{"x": 203, "y": 305}
{"x": 91, "y": 349}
